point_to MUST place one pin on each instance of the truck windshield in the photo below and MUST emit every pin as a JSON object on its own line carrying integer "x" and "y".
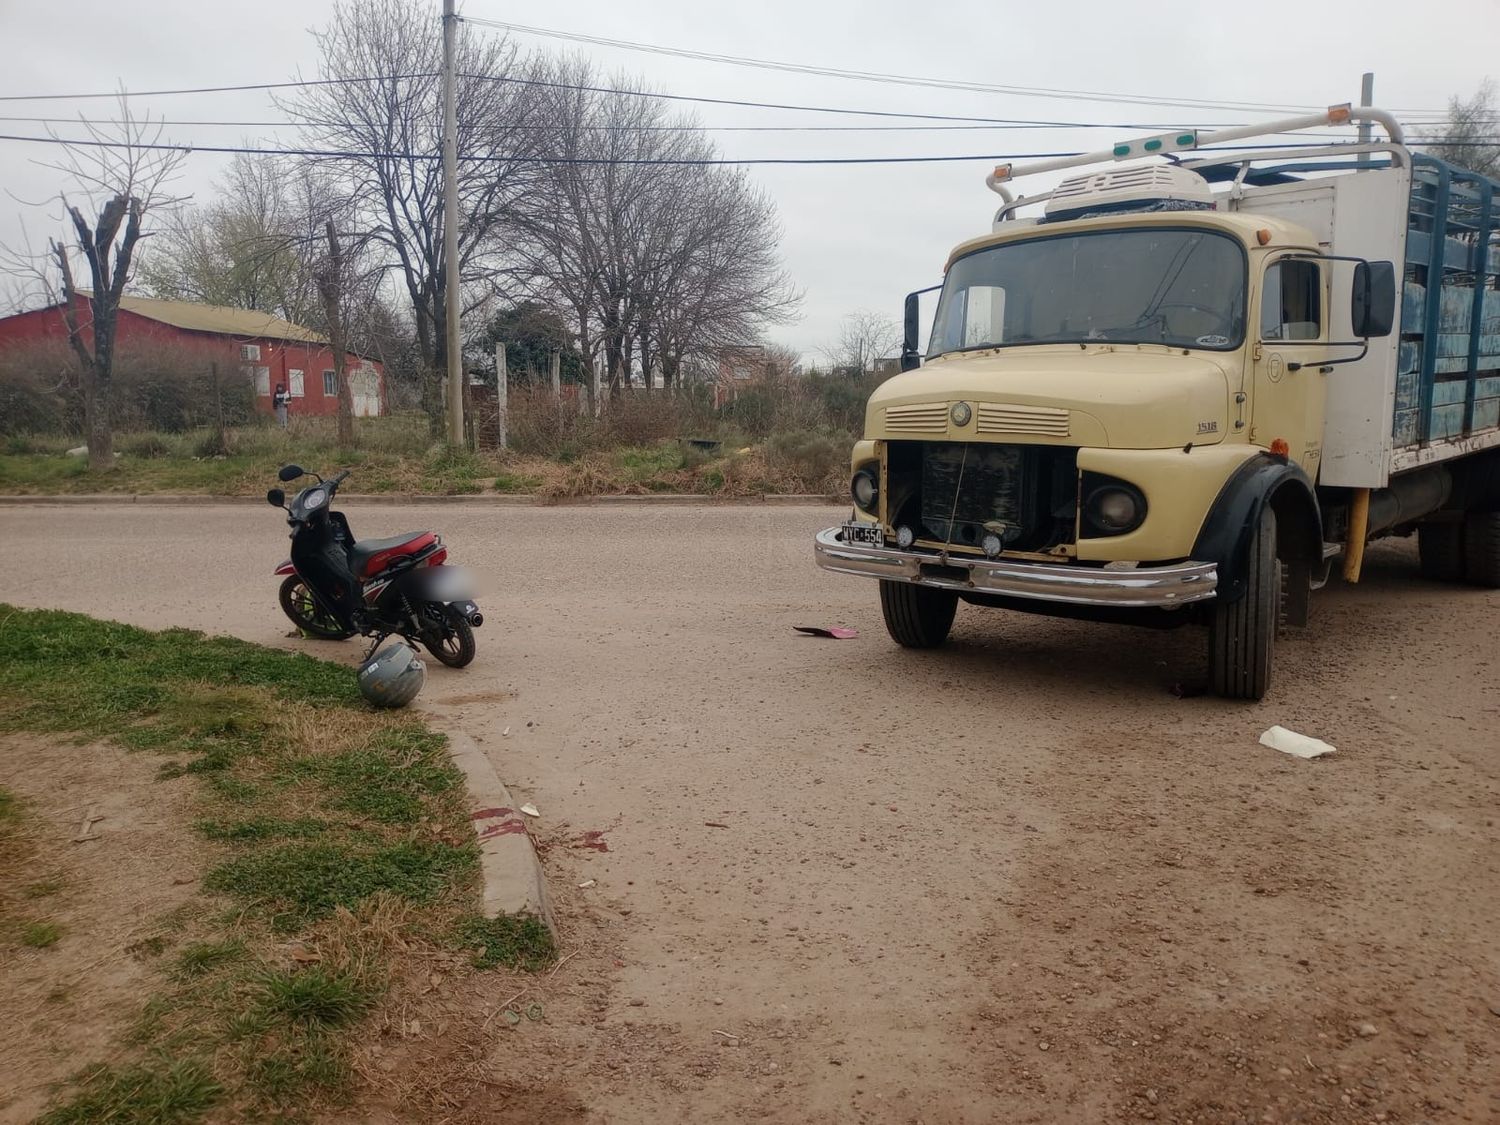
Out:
{"x": 1184, "y": 288}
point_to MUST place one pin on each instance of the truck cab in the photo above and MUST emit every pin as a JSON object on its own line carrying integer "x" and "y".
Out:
{"x": 1165, "y": 404}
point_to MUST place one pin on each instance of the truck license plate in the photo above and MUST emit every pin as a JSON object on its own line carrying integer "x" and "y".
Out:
{"x": 867, "y": 534}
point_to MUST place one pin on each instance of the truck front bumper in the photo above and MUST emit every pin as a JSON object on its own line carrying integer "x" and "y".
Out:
{"x": 1161, "y": 587}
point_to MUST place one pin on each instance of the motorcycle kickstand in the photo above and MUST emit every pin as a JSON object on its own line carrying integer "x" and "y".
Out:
{"x": 380, "y": 639}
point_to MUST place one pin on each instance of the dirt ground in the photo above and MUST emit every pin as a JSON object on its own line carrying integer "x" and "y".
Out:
{"x": 1014, "y": 880}
{"x": 110, "y": 883}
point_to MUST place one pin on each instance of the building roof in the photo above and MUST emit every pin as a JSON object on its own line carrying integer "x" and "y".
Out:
{"x": 218, "y": 319}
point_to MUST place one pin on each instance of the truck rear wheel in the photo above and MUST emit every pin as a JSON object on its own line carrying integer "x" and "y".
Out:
{"x": 917, "y": 616}
{"x": 1481, "y": 541}
{"x": 1440, "y": 551}
{"x": 1242, "y": 634}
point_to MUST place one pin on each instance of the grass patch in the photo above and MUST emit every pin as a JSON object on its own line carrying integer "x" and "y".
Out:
{"x": 313, "y": 998}
{"x": 40, "y": 935}
{"x": 515, "y": 941}
{"x": 322, "y": 821}
{"x": 43, "y": 888}
{"x": 297, "y": 884}
{"x": 205, "y": 956}
{"x": 158, "y": 1093}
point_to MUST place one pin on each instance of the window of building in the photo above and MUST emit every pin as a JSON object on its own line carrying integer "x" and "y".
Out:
{"x": 1290, "y": 308}
{"x": 294, "y": 383}
{"x": 330, "y": 385}
{"x": 249, "y": 351}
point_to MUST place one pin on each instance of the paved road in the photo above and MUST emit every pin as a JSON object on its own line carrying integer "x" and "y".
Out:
{"x": 1013, "y": 880}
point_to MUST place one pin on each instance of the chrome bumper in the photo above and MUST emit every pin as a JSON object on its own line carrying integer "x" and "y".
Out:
{"x": 1159, "y": 586}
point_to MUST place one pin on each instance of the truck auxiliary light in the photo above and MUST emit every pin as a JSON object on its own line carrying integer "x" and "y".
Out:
{"x": 1279, "y": 448}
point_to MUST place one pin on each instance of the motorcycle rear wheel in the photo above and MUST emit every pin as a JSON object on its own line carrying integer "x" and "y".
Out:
{"x": 456, "y": 647}
{"x": 297, "y": 602}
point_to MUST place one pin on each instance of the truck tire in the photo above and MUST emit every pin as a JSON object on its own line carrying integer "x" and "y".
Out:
{"x": 917, "y": 616}
{"x": 1242, "y": 634}
{"x": 1482, "y": 549}
{"x": 1440, "y": 551}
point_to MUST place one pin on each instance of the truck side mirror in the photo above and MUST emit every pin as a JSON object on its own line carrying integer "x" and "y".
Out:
{"x": 276, "y": 498}
{"x": 910, "y": 360}
{"x": 1372, "y": 304}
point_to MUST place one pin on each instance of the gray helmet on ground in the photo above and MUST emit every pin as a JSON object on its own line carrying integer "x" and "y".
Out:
{"x": 392, "y": 677}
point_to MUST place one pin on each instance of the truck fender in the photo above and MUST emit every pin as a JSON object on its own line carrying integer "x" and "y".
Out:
{"x": 1225, "y": 536}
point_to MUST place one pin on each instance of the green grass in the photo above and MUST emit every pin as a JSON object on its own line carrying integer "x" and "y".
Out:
{"x": 40, "y": 935}
{"x": 160, "y": 1092}
{"x": 205, "y": 956}
{"x": 314, "y": 998}
{"x": 515, "y": 942}
{"x": 309, "y": 805}
{"x": 296, "y": 884}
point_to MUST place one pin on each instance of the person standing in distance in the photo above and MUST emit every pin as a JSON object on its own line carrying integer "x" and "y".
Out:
{"x": 282, "y": 402}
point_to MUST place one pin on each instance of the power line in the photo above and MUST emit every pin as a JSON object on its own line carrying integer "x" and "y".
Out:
{"x": 218, "y": 89}
{"x": 284, "y": 124}
{"x": 333, "y": 154}
{"x": 891, "y": 79}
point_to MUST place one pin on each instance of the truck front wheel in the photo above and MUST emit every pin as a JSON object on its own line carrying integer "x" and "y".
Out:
{"x": 917, "y": 616}
{"x": 1242, "y": 634}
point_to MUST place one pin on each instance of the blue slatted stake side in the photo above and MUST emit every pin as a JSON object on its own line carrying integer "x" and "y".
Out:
{"x": 1448, "y": 381}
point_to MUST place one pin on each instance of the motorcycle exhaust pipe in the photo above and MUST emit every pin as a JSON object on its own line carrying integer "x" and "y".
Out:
{"x": 476, "y": 619}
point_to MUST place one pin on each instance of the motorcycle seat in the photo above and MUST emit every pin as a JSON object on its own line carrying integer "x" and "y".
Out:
{"x": 370, "y": 556}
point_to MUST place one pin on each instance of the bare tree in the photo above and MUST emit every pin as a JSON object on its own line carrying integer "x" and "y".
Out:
{"x": 383, "y": 110}
{"x": 1467, "y": 138}
{"x": 118, "y": 182}
{"x": 249, "y": 248}
{"x": 656, "y": 253}
{"x": 864, "y": 337}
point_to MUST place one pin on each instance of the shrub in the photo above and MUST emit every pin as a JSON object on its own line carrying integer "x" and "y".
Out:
{"x": 812, "y": 460}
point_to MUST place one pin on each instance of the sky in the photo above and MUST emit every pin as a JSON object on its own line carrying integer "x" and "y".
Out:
{"x": 855, "y": 237}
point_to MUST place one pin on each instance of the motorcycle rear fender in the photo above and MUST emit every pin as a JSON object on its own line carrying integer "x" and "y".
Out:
{"x": 286, "y": 568}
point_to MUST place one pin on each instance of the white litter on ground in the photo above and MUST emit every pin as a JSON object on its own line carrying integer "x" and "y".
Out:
{"x": 530, "y": 810}
{"x": 1297, "y": 745}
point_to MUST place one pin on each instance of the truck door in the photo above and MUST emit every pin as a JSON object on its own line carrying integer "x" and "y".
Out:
{"x": 1287, "y": 403}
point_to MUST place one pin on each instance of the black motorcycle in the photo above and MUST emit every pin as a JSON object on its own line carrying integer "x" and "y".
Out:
{"x": 337, "y": 586}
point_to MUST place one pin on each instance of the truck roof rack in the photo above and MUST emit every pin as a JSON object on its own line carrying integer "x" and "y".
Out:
{"x": 1220, "y": 165}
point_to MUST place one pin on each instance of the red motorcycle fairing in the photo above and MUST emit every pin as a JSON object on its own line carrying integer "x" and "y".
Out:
{"x": 286, "y": 568}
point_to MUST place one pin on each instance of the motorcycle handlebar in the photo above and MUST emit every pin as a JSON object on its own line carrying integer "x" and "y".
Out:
{"x": 338, "y": 480}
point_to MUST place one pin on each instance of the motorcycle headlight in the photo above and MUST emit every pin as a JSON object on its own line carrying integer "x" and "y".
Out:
{"x": 865, "y": 490}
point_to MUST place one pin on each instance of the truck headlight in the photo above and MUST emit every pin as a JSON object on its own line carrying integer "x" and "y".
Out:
{"x": 1114, "y": 508}
{"x": 865, "y": 490}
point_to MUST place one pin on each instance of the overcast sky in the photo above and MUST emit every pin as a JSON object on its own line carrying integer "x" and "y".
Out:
{"x": 856, "y": 237}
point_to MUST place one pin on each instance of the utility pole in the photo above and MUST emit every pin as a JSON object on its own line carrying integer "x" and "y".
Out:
{"x": 451, "y": 295}
{"x": 502, "y": 398}
{"x": 1366, "y": 98}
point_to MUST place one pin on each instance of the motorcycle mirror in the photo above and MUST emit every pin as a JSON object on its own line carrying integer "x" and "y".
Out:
{"x": 290, "y": 472}
{"x": 276, "y": 498}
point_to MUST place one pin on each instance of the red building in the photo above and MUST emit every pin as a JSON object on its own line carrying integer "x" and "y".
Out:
{"x": 265, "y": 349}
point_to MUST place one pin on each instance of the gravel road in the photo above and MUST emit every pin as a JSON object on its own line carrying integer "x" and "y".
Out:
{"x": 1017, "y": 879}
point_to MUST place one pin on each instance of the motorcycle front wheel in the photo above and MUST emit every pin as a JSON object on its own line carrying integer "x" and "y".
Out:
{"x": 298, "y": 603}
{"x": 449, "y": 637}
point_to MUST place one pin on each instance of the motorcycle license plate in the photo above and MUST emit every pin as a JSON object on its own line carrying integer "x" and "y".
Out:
{"x": 864, "y": 534}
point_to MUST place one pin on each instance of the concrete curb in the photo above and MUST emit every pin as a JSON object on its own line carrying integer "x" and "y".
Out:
{"x": 504, "y": 500}
{"x": 510, "y": 872}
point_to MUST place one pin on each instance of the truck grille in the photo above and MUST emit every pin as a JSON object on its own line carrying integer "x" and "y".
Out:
{"x": 1043, "y": 421}
{"x": 956, "y": 493}
{"x": 918, "y": 418}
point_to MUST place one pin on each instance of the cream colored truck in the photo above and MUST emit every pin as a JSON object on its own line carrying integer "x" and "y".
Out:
{"x": 1187, "y": 387}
